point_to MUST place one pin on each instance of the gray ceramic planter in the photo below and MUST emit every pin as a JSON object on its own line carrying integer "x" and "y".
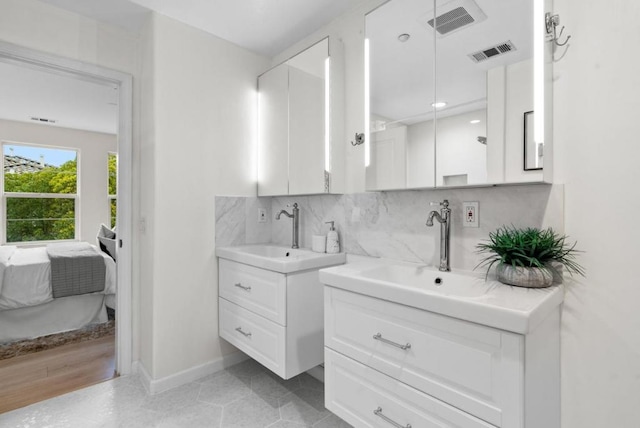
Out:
{"x": 531, "y": 277}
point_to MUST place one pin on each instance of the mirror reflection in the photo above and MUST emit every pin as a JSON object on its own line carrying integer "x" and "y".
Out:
{"x": 292, "y": 125}
{"x": 450, "y": 81}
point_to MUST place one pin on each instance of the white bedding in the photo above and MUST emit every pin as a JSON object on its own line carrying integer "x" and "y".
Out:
{"x": 25, "y": 277}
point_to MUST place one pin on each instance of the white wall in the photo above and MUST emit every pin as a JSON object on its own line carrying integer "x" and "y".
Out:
{"x": 596, "y": 105}
{"x": 201, "y": 137}
{"x": 93, "y": 151}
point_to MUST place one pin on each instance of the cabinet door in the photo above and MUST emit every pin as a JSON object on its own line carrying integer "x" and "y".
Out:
{"x": 273, "y": 132}
{"x": 306, "y": 132}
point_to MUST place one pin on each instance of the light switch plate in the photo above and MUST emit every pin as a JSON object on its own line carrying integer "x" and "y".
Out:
{"x": 471, "y": 214}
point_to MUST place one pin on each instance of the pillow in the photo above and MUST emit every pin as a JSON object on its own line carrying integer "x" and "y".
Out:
{"x": 107, "y": 241}
{"x": 6, "y": 251}
{"x": 106, "y": 232}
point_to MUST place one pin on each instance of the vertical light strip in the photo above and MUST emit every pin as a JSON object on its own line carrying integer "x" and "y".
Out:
{"x": 256, "y": 139}
{"x": 327, "y": 114}
{"x": 367, "y": 111}
{"x": 538, "y": 77}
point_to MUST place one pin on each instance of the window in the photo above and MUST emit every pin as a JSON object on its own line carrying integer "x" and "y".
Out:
{"x": 112, "y": 166}
{"x": 40, "y": 193}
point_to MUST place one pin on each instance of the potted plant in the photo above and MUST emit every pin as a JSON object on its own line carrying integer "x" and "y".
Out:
{"x": 528, "y": 257}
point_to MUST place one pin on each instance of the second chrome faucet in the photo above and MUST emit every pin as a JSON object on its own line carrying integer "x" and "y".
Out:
{"x": 295, "y": 214}
{"x": 444, "y": 219}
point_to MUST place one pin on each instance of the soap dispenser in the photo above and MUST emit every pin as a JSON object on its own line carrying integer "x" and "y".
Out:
{"x": 333, "y": 243}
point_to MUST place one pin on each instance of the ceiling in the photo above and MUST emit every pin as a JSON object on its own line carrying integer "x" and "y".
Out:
{"x": 28, "y": 92}
{"x": 266, "y": 27}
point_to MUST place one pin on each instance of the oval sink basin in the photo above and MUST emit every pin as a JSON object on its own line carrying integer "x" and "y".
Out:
{"x": 463, "y": 295}
{"x": 278, "y": 258}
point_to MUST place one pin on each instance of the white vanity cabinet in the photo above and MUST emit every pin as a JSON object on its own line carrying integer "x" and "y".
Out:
{"x": 276, "y": 318}
{"x": 389, "y": 364}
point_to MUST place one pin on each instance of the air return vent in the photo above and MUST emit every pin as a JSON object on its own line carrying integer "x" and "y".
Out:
{"x": 499, "y": 49}
{"x": 42, "y": 119}
{"x": 453, "y": 15}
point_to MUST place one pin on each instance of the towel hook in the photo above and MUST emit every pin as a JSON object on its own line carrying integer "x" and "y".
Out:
{"x": 551, "y": 22}
{"x": 359, "y": 139}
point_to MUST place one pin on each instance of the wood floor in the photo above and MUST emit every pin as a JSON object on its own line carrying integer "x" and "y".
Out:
{"x": 35, "y": 377}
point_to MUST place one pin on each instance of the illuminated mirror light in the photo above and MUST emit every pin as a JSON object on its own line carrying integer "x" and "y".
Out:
{"x": 538, "y": 77}
{"x": 474, "y": 121}
{"x": 256, "y": 139}
{"x": 439, "y": 104}
{"x": 327, "y": 110}
{"x": 367, "y": 112}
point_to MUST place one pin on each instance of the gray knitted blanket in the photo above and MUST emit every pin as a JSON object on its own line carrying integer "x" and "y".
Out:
{"x": 76, "y": 268}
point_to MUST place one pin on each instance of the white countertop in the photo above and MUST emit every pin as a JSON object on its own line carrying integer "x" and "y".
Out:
{"x": 463, "y": 295}
{"x": 279, "y": 258}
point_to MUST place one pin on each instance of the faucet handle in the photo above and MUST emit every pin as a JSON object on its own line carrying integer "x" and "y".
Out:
{"x": 444, "y": 203}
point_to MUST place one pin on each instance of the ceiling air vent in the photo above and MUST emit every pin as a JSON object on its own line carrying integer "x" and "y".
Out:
{"x": 452, "y": 20}
{"x": 43, "y": 120}
{"x": 492, "y": 51}
{"x": 453, "y": 15}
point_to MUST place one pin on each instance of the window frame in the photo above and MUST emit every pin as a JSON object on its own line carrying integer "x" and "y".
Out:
{"x": 26, "y": 195}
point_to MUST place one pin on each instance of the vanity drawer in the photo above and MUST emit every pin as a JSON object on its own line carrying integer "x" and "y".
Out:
{"x": 261, "y": 339}
{"x": 475, "y": 368}
{"x": 259, "y": 290}
{"x": 354, "y": 392}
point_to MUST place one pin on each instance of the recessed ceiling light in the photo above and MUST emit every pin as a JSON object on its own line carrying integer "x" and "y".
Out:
{"x": 439, "y": 104}
{"x": 474, "y": 121}
{"x": 404, "y": 37}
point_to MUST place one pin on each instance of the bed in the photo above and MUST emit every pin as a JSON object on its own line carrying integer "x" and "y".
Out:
{"x": 44, "y": 291}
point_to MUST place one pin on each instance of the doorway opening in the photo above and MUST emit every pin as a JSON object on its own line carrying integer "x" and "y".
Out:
{"x": 66, "y": 133}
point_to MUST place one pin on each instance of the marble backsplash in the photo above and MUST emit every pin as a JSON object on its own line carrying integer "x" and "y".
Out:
{"x": 391, "y": 224}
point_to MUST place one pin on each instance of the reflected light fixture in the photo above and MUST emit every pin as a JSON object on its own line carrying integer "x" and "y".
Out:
{"x": 439, "y": 104}
{"x": 474, "y": 121}
{"x": 403, "y": 37}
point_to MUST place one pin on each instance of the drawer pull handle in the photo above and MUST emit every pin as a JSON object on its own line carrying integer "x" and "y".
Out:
{"x": 378, "y": 412}
{"x": 389, "y": 342}
{"x": 239, "y": 330}
{"x": 239, "y": 285}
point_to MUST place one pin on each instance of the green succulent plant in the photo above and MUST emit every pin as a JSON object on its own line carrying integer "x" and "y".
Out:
{"x": 529, "y": 247}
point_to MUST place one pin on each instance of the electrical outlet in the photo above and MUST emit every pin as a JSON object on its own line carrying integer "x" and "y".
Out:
{"x": 355, "y": 215}
{"x": 262, "y": 215}
{"x": 471, "y": 214}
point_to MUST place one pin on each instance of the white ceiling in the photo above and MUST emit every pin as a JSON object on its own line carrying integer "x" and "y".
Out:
{"x": 266, "y": 27}
{"x": 26, "y": 92}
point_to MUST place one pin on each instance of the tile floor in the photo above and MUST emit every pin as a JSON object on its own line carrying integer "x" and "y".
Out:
{"x": 243, "y": 396}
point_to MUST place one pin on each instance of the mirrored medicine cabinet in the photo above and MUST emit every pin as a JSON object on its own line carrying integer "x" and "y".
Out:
{"x": 458, "y": 94}
{"x": 299, "y": 120}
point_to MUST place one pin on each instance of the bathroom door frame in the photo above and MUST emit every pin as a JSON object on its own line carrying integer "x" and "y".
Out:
{"x": 56, "y": 64}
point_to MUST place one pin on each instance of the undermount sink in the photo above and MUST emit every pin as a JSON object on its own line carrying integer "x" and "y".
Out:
{"x": 279, "y": 258}
{"x": 463, "y": 295}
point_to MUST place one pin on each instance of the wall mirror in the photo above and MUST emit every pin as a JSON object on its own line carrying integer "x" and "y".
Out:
{"x": 296, "y": 151}
{"x": 449, "y": 82}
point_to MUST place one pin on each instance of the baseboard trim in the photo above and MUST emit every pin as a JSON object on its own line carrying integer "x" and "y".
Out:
{"x": 155, "y": 386}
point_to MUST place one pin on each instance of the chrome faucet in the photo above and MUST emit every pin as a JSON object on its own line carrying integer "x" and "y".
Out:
{"x": 295, "y": 216}
{"x": 443, "y": 218}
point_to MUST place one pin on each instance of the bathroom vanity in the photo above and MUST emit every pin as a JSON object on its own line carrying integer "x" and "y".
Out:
{"x": 409, "y": 346}
{"x": 271, "y": 304}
